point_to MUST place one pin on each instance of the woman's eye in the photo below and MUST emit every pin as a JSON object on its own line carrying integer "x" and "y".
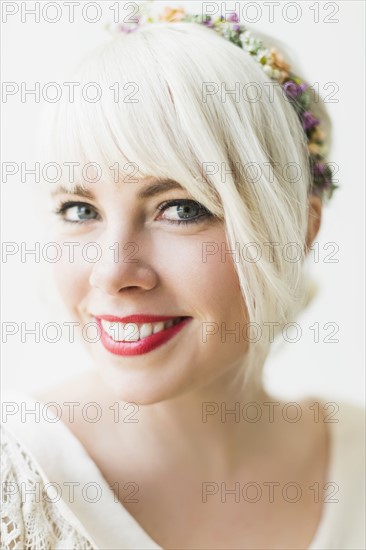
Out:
{"x": 76, "y": 212}
{"x": 183, "y": 211}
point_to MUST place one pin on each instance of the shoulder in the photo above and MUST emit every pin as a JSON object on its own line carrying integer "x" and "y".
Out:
{"x": 352, "y": 416}
{"x": 335, "y": 429}
{"x": 345, "y": 495}
{"x": 347, "y": 425}
{"x": 337, "y": 426}
{"x": 348, "y": 449}
{"x": 344, "y": 421}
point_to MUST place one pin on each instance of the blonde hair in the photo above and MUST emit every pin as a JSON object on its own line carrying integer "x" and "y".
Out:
{"x": 171, "y": 133}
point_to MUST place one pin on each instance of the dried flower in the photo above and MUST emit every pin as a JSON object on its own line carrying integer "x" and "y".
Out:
{"x": 277, "y": 60}
{"x": 172, "y": 14}
{"x": 275, "y": 67}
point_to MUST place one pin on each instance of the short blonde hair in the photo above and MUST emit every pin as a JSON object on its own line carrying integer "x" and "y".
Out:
{"x": 171, "y": 132}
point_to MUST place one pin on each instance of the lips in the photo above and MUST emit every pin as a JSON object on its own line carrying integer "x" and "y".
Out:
{"x": 138, "y": 334}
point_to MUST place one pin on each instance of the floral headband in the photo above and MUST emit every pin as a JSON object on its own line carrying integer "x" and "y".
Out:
{"x": 275, "y": 67}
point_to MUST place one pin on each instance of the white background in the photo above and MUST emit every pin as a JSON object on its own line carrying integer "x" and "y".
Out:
{"x": 324, "y": 52}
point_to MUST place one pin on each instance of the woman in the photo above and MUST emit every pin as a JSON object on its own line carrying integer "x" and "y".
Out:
{"x": 195, "y": 182}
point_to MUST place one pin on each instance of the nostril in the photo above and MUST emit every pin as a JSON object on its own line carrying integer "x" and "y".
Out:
{"x": 133, "y": 288}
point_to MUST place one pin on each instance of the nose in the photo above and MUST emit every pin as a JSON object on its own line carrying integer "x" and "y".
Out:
{"x": 121, "y": 268}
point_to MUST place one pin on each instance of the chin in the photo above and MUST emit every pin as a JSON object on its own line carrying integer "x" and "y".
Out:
{"x": 141, "y": 389}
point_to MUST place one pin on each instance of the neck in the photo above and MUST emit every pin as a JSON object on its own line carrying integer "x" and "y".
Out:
{"x": 212, "y": 425}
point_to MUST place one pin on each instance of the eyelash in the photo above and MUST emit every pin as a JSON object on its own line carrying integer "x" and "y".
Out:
{"x": 64, "y": 206}
{"x": 181, "y": 202}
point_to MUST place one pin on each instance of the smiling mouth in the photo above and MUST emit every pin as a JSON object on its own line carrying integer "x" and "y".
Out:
{"x": 133, "y": 332}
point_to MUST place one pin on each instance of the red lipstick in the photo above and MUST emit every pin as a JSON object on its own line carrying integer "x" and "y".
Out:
{"x": 145, "y": 345}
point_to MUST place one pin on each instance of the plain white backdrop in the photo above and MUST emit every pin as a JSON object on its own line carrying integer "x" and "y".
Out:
{"x": 327, "y": 42}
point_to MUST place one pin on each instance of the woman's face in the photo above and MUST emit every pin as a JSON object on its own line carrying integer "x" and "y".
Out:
{"x": 127, "y": 254}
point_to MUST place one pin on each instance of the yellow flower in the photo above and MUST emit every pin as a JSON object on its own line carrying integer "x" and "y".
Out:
{"x": 284, "y": 75}
{"x": 317, "y": 135}
{"x": 316, "y": 149}
{"x": 172, "y": 14}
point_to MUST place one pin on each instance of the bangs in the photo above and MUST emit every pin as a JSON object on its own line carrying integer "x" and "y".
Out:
{"x": 149, "y": 119}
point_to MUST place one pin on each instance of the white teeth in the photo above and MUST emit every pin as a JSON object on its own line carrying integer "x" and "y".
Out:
{"x": 105, "y": 325}
{"x": 115, "y": 330}
{"x": 145, "y": 330}
{"x": 118, "y": 332}
{"x": 131, "y": 332}
{"x": 158, "y": 327}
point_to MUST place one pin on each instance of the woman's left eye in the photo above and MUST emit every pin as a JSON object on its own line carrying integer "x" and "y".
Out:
{"x": 184, "y": 211}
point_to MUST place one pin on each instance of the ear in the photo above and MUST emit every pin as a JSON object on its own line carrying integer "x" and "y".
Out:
{"x": 314, "y": 220}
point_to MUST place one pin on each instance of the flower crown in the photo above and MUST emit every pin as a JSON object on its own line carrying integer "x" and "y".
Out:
{"x": 297, "y": 91}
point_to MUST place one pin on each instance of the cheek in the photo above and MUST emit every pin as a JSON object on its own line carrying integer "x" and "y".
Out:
{"x": 205, "y": 279}
{"x": 218, "y": 282}
{"x": 71, "y": 275}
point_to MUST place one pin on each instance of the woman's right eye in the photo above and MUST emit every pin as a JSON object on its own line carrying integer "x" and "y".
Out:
{"x": 76, "y": 212}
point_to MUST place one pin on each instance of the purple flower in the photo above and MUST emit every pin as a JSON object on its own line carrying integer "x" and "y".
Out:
{"x": 293, "y": 90}
{"x": 308, "y": 120}
{"x": 322, "y": 177}
{"x": 318, "y": 169}
{"x": 129, "y": 27}
{"x": 236, "y": 27}
{"x": 303, "y": 87}
{"x": 233, "y": 18}
{"x": 208, "y": 21}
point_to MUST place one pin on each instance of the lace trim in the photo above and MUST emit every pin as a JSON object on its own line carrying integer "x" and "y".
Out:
{"x": 32, "y": 522}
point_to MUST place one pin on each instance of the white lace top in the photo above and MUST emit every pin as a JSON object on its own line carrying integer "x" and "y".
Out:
{"x": 54, "y": 495}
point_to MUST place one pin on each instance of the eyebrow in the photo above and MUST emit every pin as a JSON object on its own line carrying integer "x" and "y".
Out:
{"x": 156, "y": 188}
